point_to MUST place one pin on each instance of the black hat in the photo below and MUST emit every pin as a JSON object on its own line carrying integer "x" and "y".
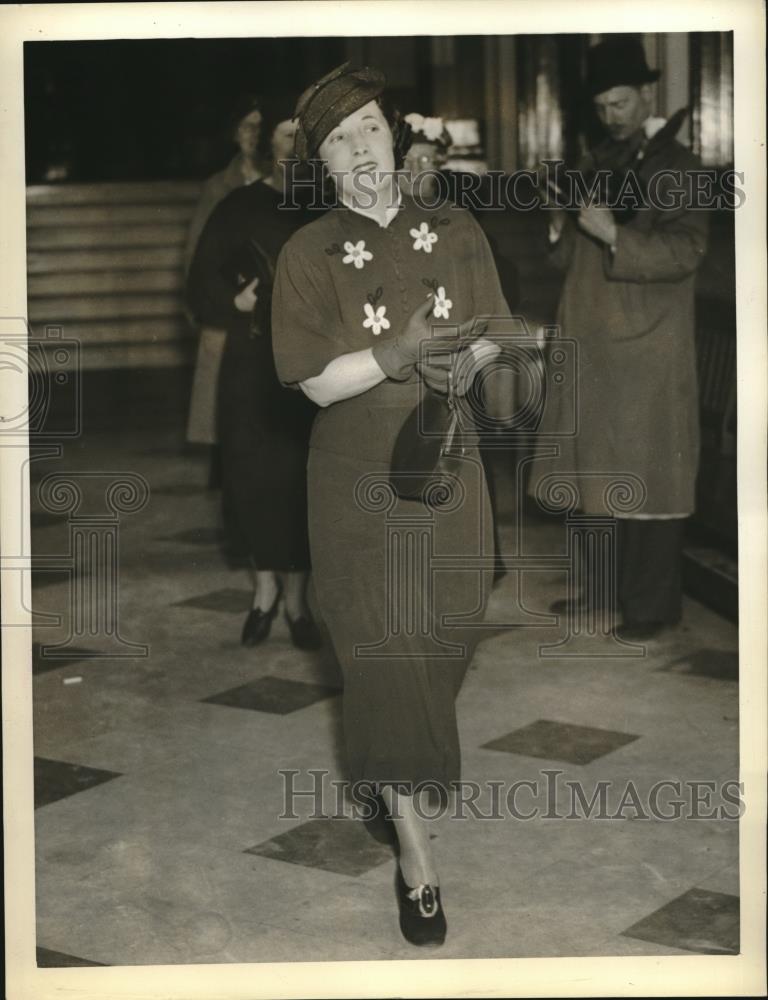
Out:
{"x": 328, "y": 102}
{"x": 618, "y": 62}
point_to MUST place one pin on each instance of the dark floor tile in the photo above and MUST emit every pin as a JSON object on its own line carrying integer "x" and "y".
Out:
{"x": 42, "y": 662}
{"x": 699, "y": 920}
{"x": 561, "y": 741}
{"x": 231, "y": 600}
{"x": 715, "y": 663}
{"x": 47, "y": 959}
{"x": 273, "y": 694}
{"x": 195, "y": 536}
{"x": 178, "y": 490}
{"x": 56, "y": 779}
{"x": 334, "y": 845}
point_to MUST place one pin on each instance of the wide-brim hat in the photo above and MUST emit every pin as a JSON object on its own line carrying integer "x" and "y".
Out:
{"x": 618, "y": 62}
{"x": 330, "y": 100}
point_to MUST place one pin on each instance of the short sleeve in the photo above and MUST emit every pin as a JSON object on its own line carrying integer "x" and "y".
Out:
{"x": 303, "y": 329}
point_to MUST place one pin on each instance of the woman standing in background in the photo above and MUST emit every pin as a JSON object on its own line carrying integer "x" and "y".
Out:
{"x": 263, "y": 428}
{"x": 244, "y": 168}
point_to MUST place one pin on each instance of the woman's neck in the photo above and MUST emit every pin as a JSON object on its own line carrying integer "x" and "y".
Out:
{"x": 250, "y": 171}
{"x": 386, "y": 199}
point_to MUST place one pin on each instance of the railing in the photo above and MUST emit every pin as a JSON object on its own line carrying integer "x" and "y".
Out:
{"x": 105, "y": 265}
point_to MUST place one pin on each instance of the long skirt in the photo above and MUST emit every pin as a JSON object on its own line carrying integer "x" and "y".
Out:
{"x": 402, "y": 588}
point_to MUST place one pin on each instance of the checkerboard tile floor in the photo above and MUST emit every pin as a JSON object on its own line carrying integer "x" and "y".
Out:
{"x": 160, "y": 783}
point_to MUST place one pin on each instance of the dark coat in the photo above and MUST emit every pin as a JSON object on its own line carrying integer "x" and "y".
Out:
{"x": 214, "y": 190}
{"x": 263, "y": 428}
{"x": 630, "y": 316}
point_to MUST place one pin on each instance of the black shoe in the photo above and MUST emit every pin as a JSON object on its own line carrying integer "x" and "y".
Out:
{"x": 304, "y": 633}
{"x": 258, "y": 624}
{"x": 422, "y": 918}
{"x": 640, "y": 631}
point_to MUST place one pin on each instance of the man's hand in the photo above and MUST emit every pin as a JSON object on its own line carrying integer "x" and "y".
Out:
{"x": 246, "y": 299}
{"x": 598, "y": 222}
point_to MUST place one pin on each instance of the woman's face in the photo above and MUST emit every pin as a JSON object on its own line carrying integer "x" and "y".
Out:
{"x": 248, "y": 132}
{"x": 283, "y": 140}
{"x": 358, "y": 152}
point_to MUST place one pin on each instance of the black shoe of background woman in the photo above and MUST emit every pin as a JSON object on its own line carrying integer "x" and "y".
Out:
{"x": 259, "y": 623}
{"x": 304, "y": 632}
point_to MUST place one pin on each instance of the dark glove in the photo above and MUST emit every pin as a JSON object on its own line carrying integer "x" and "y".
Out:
{"x": 397, "y": 356}
{"x": 437, "y": 364}
{"x": 435, "y": 376}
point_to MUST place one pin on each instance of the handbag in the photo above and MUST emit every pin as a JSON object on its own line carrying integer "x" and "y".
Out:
{"x": 427, "y": 457}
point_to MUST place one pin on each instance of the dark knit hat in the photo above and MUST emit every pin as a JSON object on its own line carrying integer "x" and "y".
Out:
{"x": 618, "y": 62}
{"x": 328, "y": 102}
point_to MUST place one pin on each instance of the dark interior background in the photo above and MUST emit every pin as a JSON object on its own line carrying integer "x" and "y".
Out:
{"x": 157, "y": 109}
{"x": 127, "y": 109}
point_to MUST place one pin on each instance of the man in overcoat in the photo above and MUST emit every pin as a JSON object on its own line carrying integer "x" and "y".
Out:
{"x": 628, "y": 303}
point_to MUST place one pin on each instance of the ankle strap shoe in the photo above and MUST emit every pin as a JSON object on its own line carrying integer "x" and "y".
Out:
{"x": 422, "y": 918}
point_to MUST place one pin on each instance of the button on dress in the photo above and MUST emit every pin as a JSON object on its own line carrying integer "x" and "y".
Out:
{"x": 401, "y": 584}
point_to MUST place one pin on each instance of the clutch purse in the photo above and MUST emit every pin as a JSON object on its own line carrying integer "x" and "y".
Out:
{"x": 426, "y": 457}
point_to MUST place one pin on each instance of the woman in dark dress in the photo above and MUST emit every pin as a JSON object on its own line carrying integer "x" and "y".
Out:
{"x": 244, "y": 168}
{"x": 350, "y": 318}
{"x": 263, "y": 427}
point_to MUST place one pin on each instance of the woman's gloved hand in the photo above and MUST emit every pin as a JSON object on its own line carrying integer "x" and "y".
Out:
{"x": 397, "y": 356}
{"x": 465, "y": 365}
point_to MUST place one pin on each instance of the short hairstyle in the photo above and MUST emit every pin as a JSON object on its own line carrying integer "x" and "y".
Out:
{"x": 242, "y": 107}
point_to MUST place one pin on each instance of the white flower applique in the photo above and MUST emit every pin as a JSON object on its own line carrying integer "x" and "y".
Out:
{"x": 356, "y": 254}
{"x": 423, "y": 238}
{"x": 431, "y": 128}
{"x": 376, "y": 319}
{"x": 443, "y": 305}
